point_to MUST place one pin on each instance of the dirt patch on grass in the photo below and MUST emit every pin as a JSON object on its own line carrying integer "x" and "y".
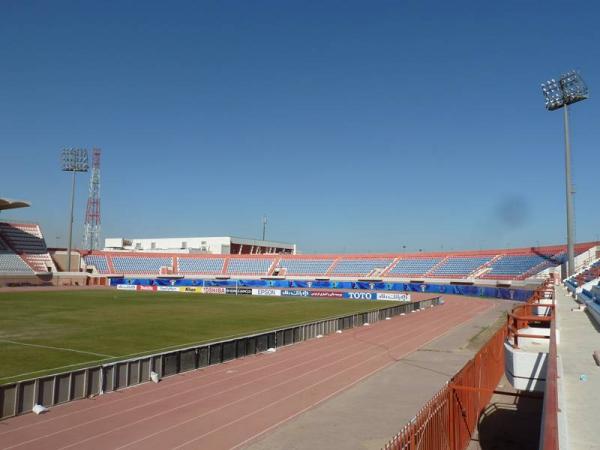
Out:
{"x": 484, "y": 334}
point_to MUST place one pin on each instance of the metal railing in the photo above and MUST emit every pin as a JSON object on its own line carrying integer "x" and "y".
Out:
{"x": 525, "y": 316}
{"x": 20, "y": 397}
{"x": 538, "y": 312}
{"x": 449, "y": 420}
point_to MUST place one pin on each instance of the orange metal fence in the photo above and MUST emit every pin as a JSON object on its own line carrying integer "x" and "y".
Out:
{"x": 537, "y": 315}
{"x": 449, "y": 419}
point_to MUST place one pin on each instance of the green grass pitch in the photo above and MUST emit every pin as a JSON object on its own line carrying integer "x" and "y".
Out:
{"x": 50, "y": 332}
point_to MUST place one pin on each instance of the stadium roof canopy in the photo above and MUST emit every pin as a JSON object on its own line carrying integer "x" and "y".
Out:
{"x": 6, "y": 203}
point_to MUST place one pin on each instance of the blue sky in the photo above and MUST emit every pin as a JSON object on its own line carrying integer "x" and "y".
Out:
{"x": 354, "y": 126}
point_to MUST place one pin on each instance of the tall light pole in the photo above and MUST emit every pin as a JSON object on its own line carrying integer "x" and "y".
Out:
{"x": 264, "y": 227}
{"x": 569, "y": 89}
{"x": 73, "y": 160}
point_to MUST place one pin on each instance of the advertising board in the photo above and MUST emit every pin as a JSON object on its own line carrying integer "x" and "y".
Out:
{"x": 146, "y": 288}
{"x": 327, "y": 294}
{"x": 238, "y": 291}
{"x": 271, "y": 292}
{"x": 213, "y": 290}
{"x": 360, "y": 295}
{"x": 295, "y": 293}
{"x": 393, "y": 296}
{"x": 190, "y": 289}
{"x": 127, "y": 287}
{"x": 167, "y": 288}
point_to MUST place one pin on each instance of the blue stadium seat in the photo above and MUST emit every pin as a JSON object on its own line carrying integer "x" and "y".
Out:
{"x": 596, "y": 293}
{"x": 572, "y": 283}
{"x": 140, "y": 264}
{"x": 250, "y": 266}
{"x": 10, "y": 262}
{"x": 519, "y": 265}
{"x": 98, "y": 261}
{"x": 360, "y": 266}
{"x": 200, "y": 265}
{"x": 459, "y": 266}
{"x": 306, "y": 266}
{"x": 413, "y": 266}
{"x": 27, "y": 240}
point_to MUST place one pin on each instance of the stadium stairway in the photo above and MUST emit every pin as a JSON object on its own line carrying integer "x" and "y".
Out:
{"x": 274, "y": 265}
{"x": 440, "y": 263}
{"x": 483, "y": 269}
{"x": 225, "y": 266}
{"x": 332, "y": 268}
{"x": 456, "y": 266}
{"x": 355, "y": 266}
{"x": 390, "y": 266}
{"x": 110, "y": 265}
{"x": 414, "y": 266}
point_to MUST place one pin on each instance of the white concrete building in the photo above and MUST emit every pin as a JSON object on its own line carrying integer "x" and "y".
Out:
{"x": 226, "y": 245}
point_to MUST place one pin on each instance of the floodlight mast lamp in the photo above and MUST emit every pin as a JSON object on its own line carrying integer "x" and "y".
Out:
{"x": 73, "y": 160}
{"x": 569, "y": 89}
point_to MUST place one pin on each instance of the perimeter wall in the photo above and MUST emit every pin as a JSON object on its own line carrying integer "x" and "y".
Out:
{"x": 469, "y": 290}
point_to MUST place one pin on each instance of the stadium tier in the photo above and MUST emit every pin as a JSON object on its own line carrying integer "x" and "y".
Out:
{"x": 23, "y": 251}
{"x": 585, "y": 286}
{"x": 413, "y": 266}
{"x": 304, "y": 267}
{"x": 99, "y": 262}
{"x": 141, "y": 264}
{"x": 249, "y": 266}
{"x": 510, "y": 266}
{"x": 459, "y": 267}
{"x": 360, "y": 267}
{"x": 23, "y": 243}
{"x": 10, "y": 262}
{"x": 211, "y": 266}
{"x": 589, "y": 275}
{"x": 514, "y": 264}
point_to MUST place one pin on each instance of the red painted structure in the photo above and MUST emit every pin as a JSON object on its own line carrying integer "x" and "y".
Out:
{"x": 92, "y": 213}
{"x": 449, "y": 420}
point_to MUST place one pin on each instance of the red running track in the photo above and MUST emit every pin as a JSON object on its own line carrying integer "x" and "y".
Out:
{"x": 231, "y": 404}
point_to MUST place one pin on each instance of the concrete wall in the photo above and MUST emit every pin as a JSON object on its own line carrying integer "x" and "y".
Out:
{"x": 61, "y": 261}
{"x": 24, "y": 280}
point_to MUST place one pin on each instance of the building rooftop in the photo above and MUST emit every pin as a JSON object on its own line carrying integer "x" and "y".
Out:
{"x": 6, "y": 203}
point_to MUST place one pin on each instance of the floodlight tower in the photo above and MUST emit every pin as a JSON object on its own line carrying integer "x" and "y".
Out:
{"x": 73, "y": 160}
{"x": 264, "y": 227}
{"x": 569, "y": 89}
{"x": 91, "y": 232}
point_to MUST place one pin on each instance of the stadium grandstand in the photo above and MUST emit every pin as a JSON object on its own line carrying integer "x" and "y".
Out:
{"x": 23, "y": 251}
{"x": 503, "y": 264}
